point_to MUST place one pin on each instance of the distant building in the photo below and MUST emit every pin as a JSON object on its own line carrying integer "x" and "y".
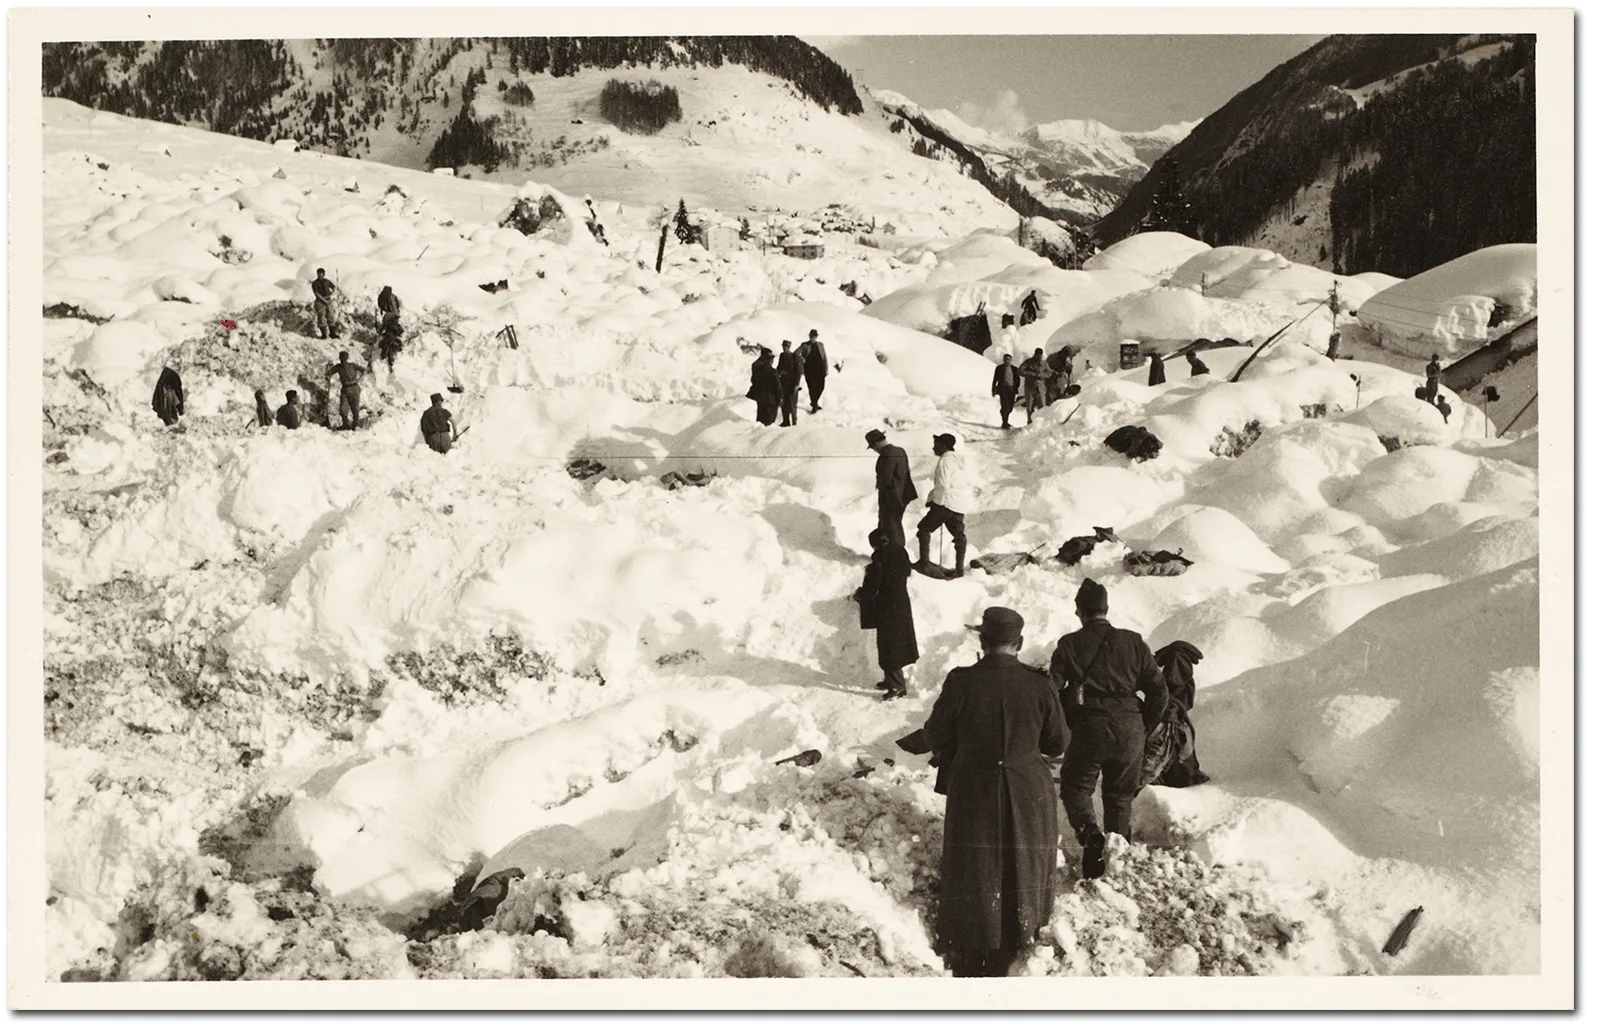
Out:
{"x": 719, "y": 238}
{"x": 807, "y": 247}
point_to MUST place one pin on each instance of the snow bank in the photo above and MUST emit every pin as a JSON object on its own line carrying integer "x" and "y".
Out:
{"x": 1156, "y": 255}
{"x": 1461, "y": 304}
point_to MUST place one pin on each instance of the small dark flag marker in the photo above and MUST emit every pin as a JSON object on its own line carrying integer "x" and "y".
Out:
{"x": 1402, "y": 932}
{"x": 809, "y": 758}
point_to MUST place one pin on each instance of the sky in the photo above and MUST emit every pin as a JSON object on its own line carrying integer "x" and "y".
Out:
{"x": 1007, "y": 83}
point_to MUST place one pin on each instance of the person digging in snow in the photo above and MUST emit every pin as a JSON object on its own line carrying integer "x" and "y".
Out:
{"x": 1030, "y": 308}
{"x": 263, "y": 410}
{"x": 949, "y": 502}
{"x": 388, "y": 302}
{"x": 289, "y": 411}
{"x": 1004, "y": 387}
{"x": 886, "y": 608}
{"x": 438, "y": 426}
{"x": 1158, "y": 370}
{"x": 349, "y": 390}
{"x": 990, "y": 730}
{"x": 895, "y": 489}
{"x": 764, "y": 388}
{"x": 1196, "y": 367}
{"x": 1097, "y": 670}
{"x": 789, "y": 385}
{"x": 168, "y": 397}
{"x": 814, "y": 364}
{"x": 1443, "y": 406}
{"x": 1034, "y": 378}
{"x": 322, "y": 306}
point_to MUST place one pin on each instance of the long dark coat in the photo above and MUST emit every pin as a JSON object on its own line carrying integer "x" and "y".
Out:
{"x": 992, "y": 726}
{"x": 1177, "y": 662}
{"x": 886, "y": 606}
{"x": 168, "y": 397}
{"x": 1158, "y": 370}
{"x": 893, "y": 474}
{"x": 764, "y": 390}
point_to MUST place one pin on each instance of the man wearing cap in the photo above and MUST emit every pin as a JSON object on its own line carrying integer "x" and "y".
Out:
{"x": 949, "y": 502}
{"x": 438, "y": 427}
{"x": 895, "y": 490}
{"x": 991, "y": 728}
{"x": 814, "y": 366}
{"x": 1098, "y": 669}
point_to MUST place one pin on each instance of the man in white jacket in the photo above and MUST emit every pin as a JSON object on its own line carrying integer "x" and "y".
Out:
{"x": 948, "y": 504}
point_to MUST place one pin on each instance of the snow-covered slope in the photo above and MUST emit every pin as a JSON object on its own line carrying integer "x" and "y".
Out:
{"x": 305, "y": 689}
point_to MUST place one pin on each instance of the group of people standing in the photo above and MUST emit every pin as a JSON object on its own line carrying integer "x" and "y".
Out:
{"x": 775, "y": 388}
{"x": 1039, "y": 383}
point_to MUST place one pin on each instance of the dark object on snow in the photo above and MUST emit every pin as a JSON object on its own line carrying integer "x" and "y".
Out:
{"x": 1161, "y": 563}
{"x": 494, "y": 288}
{"x": 486, "y": 898}
{"x": 1177, "y": 660}
{"x": 389, "y": 339}
{"x": 1491, "y": 393}
{"x": 1172, "y": 736}
{"x": 508, "y": 333}
{"x": 1007, "y": 320}
{"x": 673, "y": 481}
{"x": 992, "y": 725}
{"x": 885, "y": 605}
{"x": 915, "y": 743}
{"x": 585, "y": 469}
{"x": 1443, "y": 407}
{"x": 1196, "y": 367}
{"x": 1135, "y": 442}
{"x": 1158, "y": 370}
{"x": 809, "y": 758}
{"x": 1423, "y": 394}
{"x": 1075, "y": 548}
{"x": 1402, "y": 932}
{"x": 970, "y": 331}
{"x": 168, "y": 397}
{"x": 934, "y": 570}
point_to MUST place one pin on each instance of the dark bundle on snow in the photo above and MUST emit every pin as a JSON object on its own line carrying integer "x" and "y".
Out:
{"x": 1075, "y": 548}
{"x": 585, "y": 469}
{"x": 673, "y": 481}
{"x": 1003, "y": 562}
{"x": 494, "y": 288}
{"x": 1135, "y": 442}
{"x": 1157, "y": 563}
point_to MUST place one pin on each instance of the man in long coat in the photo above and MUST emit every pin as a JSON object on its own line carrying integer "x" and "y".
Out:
{"x": 1098, "y": 670}
{"x": 1158, "y": 370}
{"x": 764, "y": 388}
{"x": 789, "y": 385}
{"x": 814, "y": 364}
{"x": 886, "y": 608}
{"x": 895, "y": 489}
{"x": 991, "y": 728}
{"x": 1004, "y": 386}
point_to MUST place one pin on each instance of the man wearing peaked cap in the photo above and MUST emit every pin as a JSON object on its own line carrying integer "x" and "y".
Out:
{"x": 1112, "y": 694}
{"x": 438, "y": 426}
{"x": 895, "y": 490}
{"x": 990, "y": 730}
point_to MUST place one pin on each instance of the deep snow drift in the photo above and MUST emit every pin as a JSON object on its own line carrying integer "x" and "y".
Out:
{"x": 305, "y": 689}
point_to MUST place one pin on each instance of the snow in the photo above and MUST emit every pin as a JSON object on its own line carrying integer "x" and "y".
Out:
{"x": 339, "y": 677}
{"x": 1449, "y": 308}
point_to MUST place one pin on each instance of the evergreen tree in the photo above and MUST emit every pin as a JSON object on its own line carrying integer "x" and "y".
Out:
{"x": 680, "y": 223}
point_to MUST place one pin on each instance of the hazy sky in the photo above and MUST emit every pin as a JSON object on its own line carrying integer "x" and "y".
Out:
{"x": 1011, "y": 82}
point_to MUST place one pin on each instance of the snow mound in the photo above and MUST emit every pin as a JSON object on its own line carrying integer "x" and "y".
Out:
{"x": 1461, "y": 304}
{"x": 1157, "y": 255}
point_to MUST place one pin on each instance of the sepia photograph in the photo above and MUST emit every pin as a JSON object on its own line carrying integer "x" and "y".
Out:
{"x": 1035, "y": 495}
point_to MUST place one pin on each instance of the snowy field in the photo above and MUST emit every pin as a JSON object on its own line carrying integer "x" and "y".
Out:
{"x": 304, "y": 690}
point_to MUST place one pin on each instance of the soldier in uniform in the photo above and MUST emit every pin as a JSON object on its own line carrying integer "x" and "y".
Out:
{"x": 1098, "y": 670}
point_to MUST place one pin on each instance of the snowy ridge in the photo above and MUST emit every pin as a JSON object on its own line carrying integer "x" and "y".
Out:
{"x": 329, "y": 682}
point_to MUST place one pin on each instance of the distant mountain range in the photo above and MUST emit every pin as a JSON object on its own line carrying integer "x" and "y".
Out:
{"x": 1392, "y": 153}
{"x": 1074, "y": 170}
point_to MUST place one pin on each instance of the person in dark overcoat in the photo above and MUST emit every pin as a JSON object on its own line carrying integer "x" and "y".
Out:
{"x": 168, "y": 397}
{"x": 789, "y": 385}
{"x": 1196, "y": 366}
{"x": 991, "y": 729}
{"x": 764, "y": 388}
{"x": 886, "y": 607}
{"x": 814, "y": 365}
{"x": 1158, "y": 370}
{"x": 895, "y": 489}
{"x": 1177, "y": 661}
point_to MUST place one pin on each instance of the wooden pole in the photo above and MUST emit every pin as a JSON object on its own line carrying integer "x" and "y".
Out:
{"x": 661, "y": 247}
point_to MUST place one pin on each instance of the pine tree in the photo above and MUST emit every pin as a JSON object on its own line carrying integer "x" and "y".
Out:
{"x": 680, "y": 223}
